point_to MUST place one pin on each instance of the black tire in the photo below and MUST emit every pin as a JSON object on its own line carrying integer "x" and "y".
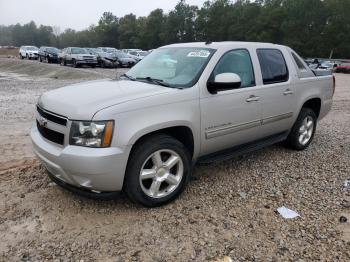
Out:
{"x": 40, "y": 60}
{"x": 75, "y": 64}
{"x": 22, "y": 57}
{"x": 293, "y": 140}
{"x": 140, "y": 154}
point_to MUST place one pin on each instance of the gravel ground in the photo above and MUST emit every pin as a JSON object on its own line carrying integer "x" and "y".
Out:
{"x": 21, "y": 83}
{"x": 228, "y": 209}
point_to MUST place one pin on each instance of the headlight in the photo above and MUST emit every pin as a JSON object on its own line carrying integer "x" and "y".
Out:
{"x": 50, "y": 55}
{"x": 91, "y": 134}
{"x": 80, "y": 57}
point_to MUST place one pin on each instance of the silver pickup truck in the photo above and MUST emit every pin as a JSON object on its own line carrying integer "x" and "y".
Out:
{"x": 182, "y": 104}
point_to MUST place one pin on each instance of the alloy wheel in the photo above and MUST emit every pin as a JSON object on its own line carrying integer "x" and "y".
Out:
{"x": 161, "y": 173}
{"x": 306, "y": 130}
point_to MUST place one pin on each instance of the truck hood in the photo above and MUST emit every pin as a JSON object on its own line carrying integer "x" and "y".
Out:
{"x": 81, "y": 101}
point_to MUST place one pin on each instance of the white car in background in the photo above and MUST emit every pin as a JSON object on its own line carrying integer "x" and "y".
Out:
{"x": 29, "y": 52}
{"x": 107, "y": 49}
{"x": 141, "y": 54}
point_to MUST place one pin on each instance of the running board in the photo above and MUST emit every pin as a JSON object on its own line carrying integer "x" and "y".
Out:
{"x": 242, "y": 149}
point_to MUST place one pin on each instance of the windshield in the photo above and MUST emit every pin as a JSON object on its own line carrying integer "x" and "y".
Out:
{"x": 32, "y": 48}
{"x": 176, "y": 66}
{"x": 78, "y": 50}
{"x": 133, "y": 53}
{"x": 109, "y": 50}
{"x": 121, "y": 55}
{"x": 327, "y": 64}
{"x": 143, "y": 53}
{"x": 52, "y": 49}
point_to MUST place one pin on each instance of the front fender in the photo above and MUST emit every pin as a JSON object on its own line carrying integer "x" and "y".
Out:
{"x": 134, "y": 124}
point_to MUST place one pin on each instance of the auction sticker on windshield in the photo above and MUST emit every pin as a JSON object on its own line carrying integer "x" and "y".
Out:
{"x": 201, "y": 53}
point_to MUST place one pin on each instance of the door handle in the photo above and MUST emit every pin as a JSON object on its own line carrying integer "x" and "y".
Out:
{"x": 288, "y": 92}
{"x": 252, "y": 98}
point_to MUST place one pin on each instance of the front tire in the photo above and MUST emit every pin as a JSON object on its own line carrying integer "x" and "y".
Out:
{"x": 303, "y": 130}
{"x": 158, "y": 171}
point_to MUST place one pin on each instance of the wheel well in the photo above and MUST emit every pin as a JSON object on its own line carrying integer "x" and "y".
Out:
{"x": 314, "y": 104}
{"x": 181, "y": 133}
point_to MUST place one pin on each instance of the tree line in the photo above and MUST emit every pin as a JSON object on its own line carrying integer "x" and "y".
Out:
{"x": 312, "y": 27}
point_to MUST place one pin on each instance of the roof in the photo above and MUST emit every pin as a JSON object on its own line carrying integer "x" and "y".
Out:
{"x": 225, "y": 44}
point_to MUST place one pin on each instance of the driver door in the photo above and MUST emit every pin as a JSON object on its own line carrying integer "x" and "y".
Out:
{"x": 232, "y": 117}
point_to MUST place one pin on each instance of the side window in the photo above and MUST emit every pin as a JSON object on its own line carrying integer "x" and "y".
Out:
{"x": 298, "y": 62}
{"x": 273, "y": 66}
{"x": 238, "y": 62}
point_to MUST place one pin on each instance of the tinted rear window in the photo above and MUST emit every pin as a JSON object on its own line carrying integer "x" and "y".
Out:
{"x": 273, "y": 66}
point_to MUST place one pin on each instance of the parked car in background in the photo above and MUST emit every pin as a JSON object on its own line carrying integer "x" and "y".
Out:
{"x": 144, "y": 132}
{"x": 104, "y": 59}
{"x": 29, "y": 52}
{"x": 343, "y": 68}
{"x": 129, "y": 50}
{"x": 48, "y": 54}
{"x": 133, "y": 55}
{"x": 108, "y": 49}
{"x": 328, "y": 65}
{"x": 137, "y": 55}
{"x": 142, "y": 54}
{"x": 78, "y": 56}
{"x": 124, "y": 60}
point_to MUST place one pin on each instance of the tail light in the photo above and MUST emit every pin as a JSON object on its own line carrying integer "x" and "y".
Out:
{"x": 333, "y": 86}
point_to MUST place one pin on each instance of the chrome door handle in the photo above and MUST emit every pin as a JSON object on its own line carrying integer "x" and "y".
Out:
{"x": 252, "y": 98}
{"x": 288, "y": 92}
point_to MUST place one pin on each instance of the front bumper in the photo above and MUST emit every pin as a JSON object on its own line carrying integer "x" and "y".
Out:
{"x": 87, "y": 62}
{"x": 98, "y": 169}
{"x": 109, "y": 63}
{"x": 33, "y": 55}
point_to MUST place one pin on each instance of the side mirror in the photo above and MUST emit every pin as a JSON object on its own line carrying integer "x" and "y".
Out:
{"x": 224, "y": 81}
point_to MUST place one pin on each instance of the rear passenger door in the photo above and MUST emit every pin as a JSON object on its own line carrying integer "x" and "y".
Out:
{"x": 278, "y": 99}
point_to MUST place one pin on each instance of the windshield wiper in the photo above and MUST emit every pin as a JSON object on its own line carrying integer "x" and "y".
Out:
{"x": 128, "y": 77}
{"x": 154, "y": 81}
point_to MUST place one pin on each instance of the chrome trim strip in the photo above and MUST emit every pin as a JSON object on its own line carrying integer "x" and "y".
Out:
{"x": 272, "y": 119}
{"x": 51, "y": 113}
{"x": 231, "y": 129}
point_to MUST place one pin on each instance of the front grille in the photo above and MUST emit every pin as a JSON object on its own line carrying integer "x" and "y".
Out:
{"x": 51, "y": 135}
{"x": 53, "y": 118}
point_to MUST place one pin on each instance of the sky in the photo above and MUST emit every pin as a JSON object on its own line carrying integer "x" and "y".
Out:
{"x": 77, "y": 14}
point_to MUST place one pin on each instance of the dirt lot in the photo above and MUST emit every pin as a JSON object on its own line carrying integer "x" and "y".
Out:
{"x": 8, "y": 52}
{"x": 229, "y": 209}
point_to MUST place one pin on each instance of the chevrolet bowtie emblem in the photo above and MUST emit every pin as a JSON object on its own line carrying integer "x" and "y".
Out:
{"x": 42, "y": 121}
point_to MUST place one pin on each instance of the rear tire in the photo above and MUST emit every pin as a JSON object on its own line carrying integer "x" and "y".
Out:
{"x": 162, "y": 180}
{"x": 303, "y": 130}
